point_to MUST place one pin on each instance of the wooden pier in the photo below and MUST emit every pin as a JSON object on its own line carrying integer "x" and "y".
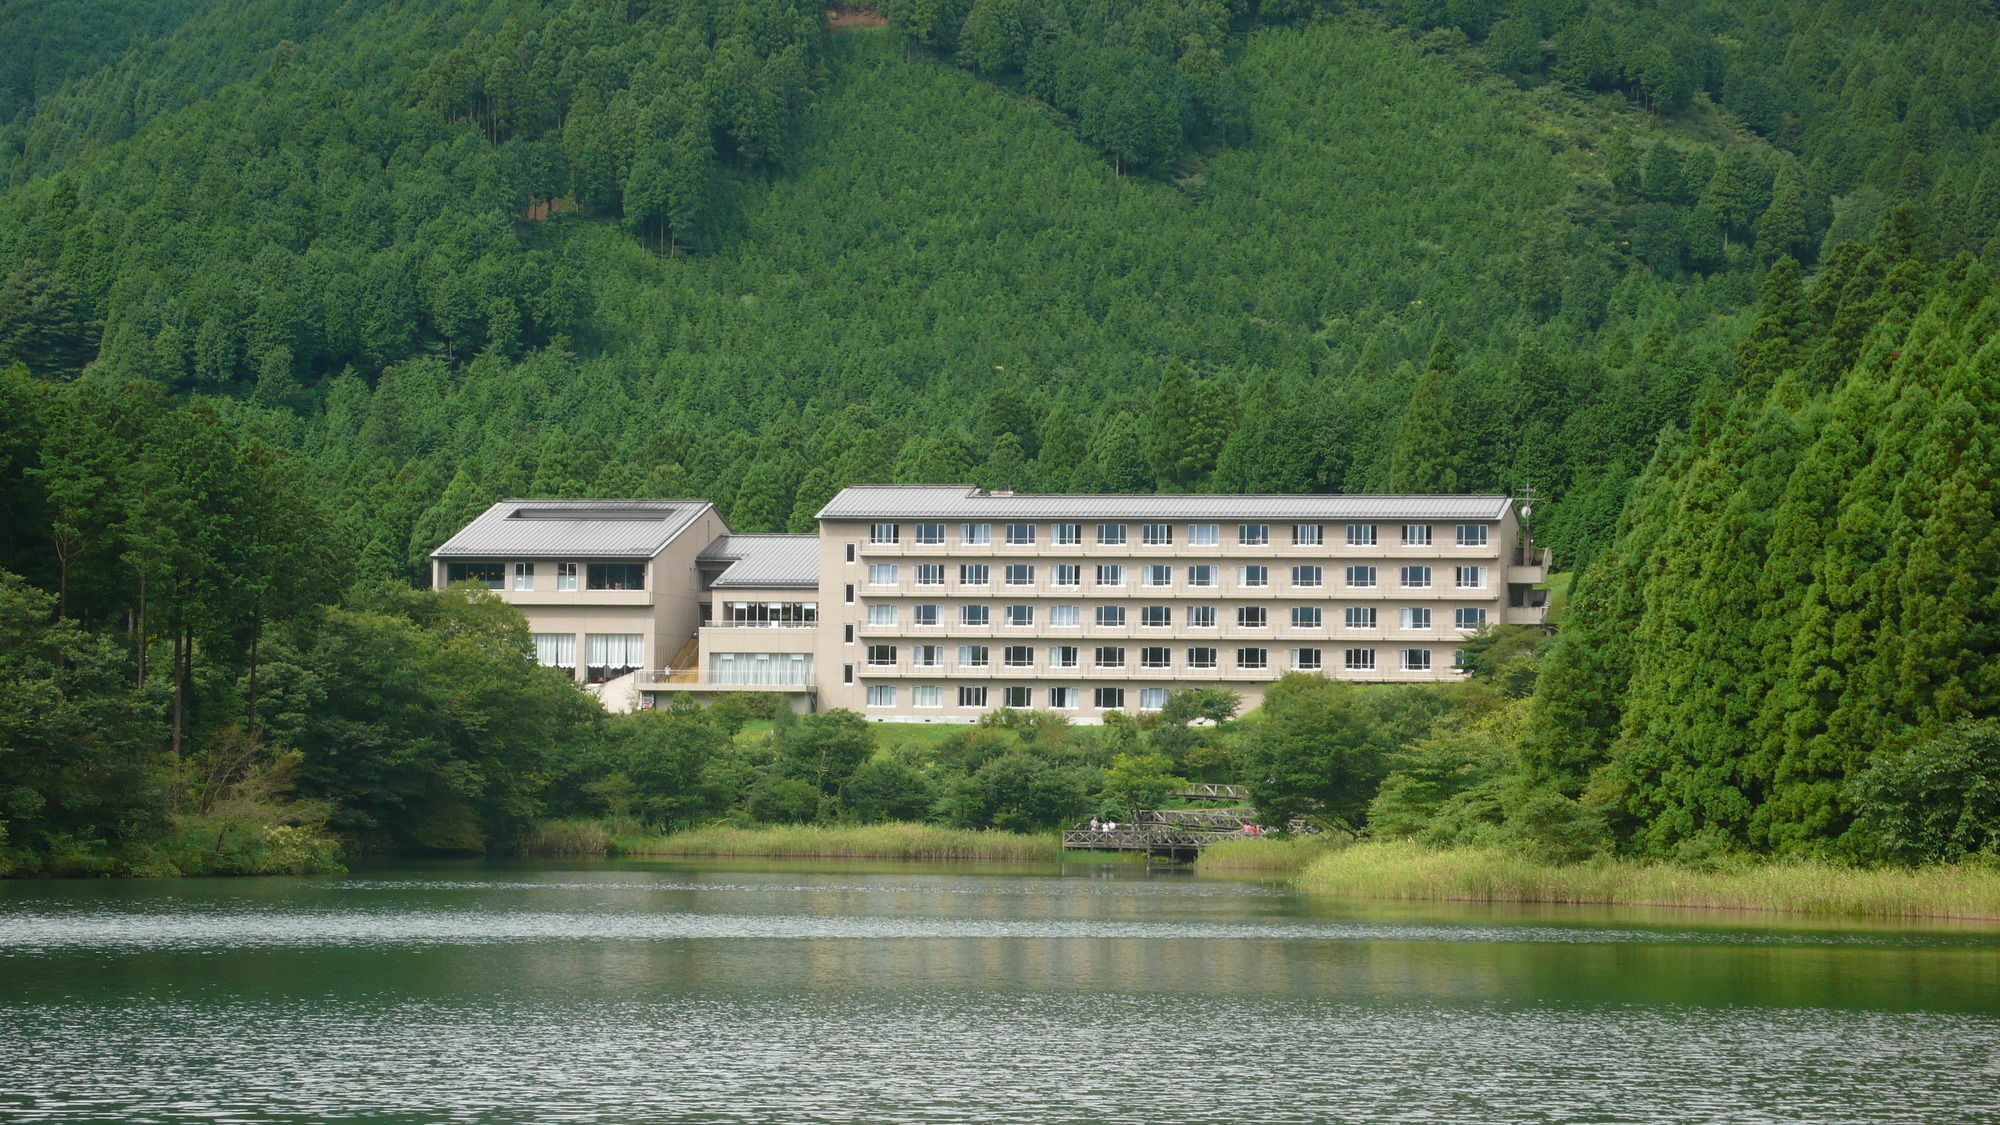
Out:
{"x": 1178, "y": 834}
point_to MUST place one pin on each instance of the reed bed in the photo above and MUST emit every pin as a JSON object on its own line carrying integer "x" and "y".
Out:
{"x": 862, "y": 841}
{"x": 1263, "y": 855}
{"x": 569, "y": 838}
{"x": 1396, "y": 870}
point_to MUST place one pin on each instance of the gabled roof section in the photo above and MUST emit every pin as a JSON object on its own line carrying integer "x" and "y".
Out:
{"x": 952, "y": 502}
{"x": 573, "y": 529}
{"x": 764, "y": 561}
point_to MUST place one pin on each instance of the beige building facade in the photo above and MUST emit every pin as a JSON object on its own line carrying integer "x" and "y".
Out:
{"x": 941, "y": 603}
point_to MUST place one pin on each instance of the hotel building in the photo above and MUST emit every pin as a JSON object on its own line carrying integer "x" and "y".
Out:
{"x": 939, "y": 603}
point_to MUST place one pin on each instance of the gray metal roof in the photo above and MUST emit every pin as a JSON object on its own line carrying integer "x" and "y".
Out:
{"x": 957, "y": 501}
{"x": 573, "y": 529}
{"x": 764, "y": 560}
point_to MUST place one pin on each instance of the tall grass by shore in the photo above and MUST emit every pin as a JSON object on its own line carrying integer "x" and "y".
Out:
{"x": 1263, "y": 855}
{"x": 1396, "y": 870}
{"x": 860, "y": 841}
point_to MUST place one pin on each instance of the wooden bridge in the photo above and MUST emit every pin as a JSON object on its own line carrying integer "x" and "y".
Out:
{"x": 1178, "y": 834}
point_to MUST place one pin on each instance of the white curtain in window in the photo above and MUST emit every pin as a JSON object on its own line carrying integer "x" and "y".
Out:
{"x": 760, "y": 669}
{"x": 615, "y": 650}
{"x": 555, "y": 650}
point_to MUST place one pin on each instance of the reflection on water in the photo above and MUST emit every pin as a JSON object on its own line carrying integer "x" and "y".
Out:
{"x": 605, "y": 993}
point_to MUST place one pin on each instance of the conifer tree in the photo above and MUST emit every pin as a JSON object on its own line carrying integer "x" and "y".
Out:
{"x": 1425, "y": 456}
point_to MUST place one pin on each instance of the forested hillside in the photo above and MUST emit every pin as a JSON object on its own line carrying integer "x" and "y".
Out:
{"x": 342, "y": 275}
{"x": 626, "y": 249}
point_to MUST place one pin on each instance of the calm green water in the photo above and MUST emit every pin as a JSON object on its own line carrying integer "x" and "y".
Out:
{"x": 658, "y": 992}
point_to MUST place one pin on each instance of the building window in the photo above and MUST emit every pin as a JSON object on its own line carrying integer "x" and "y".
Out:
{"x": 1109, "y": 656}
{"x": 1062, "y": 699}
{"x": 1307, "y": 535}
{"x": 1065, "y": 616}
{"x": 850, "y": 552}
{"x": 883, "y": 533}
{"x": 1253, "y": 659}
{"x": 1416, "y": 535}
{"x": 972, "y": 695}
{"x": 1252, "y": 617}
{"x": 974, "y": 574}
{"x": 1201, "y": 617}
{"x": 847, "y": 593}
{"x": 1416, "y": 578}
{"x": 930, "y": 534}
{"x": 760, "y": 669}
{"x": 1156, "y": 576}
{"x": 1111, "y": 535}
{"x": 565, "y": 576}
{"x": 1360, "y": 577}
{"x": 771, "y": 615}
{"x": 847, "y": 673}
{"x": 1253, "y": 534}
{"x": 1067, "y": 534}
{"x": 972, "y": 656}
{"x": 1468, "y": 619}
{"x": 1064, "y": 656}
{"x": 926, "y": 614}
{"x": 1156, "y": 616}
{"x": 1359, "y": 659}
{"x": 881, "y": 656}
{"x": 1156, "y": 657}
{"x": 882, "y": 615}
{"x": 1152, "y": 698}
{"x": 929, "y": 695}
{"x": 524, "y": 576}
{"x": 1306, "y": 617}
{"x": 1308, "y": 577}
{"x": 1471, "y": 535}
{"x": 881, "y": 695}
{"x": 1201, "y": 576}
{"x": 1018, "y": 615}
{"x": 1020, "y": 697}
{"x": 1461, "y": 659}
{"x": 614, "y": 576}
{"x": 847, "y": 633}
{"x": 556, "y": 650}
{"x": 975, "y": 616}
{"x": 1020, "y": 534}
{"x": 1018, "y": 656}
{"x": 1020, "y": 574}
{"x": 1111, "y": 575}
{"x": 1253, "y": 576}
{"x": 1471, "y": 577}
{"x": 1361, "y": 535}
{"x": 1306, "y": 659}
{"x": 1201, "y": 658}
{"x": 1416, "y": 660}
{"x": 1204, "y": 535}
{"x": 1416, "y": 617}
{"x": 1111, "y": 616}
{"x": 975, "y": 534}
{"x": 881, "y": 574}
{"x": 1066, "y": 575}
{"x": 926, "y": 656}
{"x": 1156, "y": 534}
{"x": 1108, "y": 698}
{"x": 930, "y": 574}
{"x": 1361, "y": 617}
{"x": 611, "y": 655}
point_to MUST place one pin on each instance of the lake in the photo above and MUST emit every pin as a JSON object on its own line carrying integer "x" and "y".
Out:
{"x": 726, "y": 992}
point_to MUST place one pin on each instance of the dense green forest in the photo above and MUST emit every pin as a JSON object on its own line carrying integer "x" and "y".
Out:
{"x": 297, "y": 289}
